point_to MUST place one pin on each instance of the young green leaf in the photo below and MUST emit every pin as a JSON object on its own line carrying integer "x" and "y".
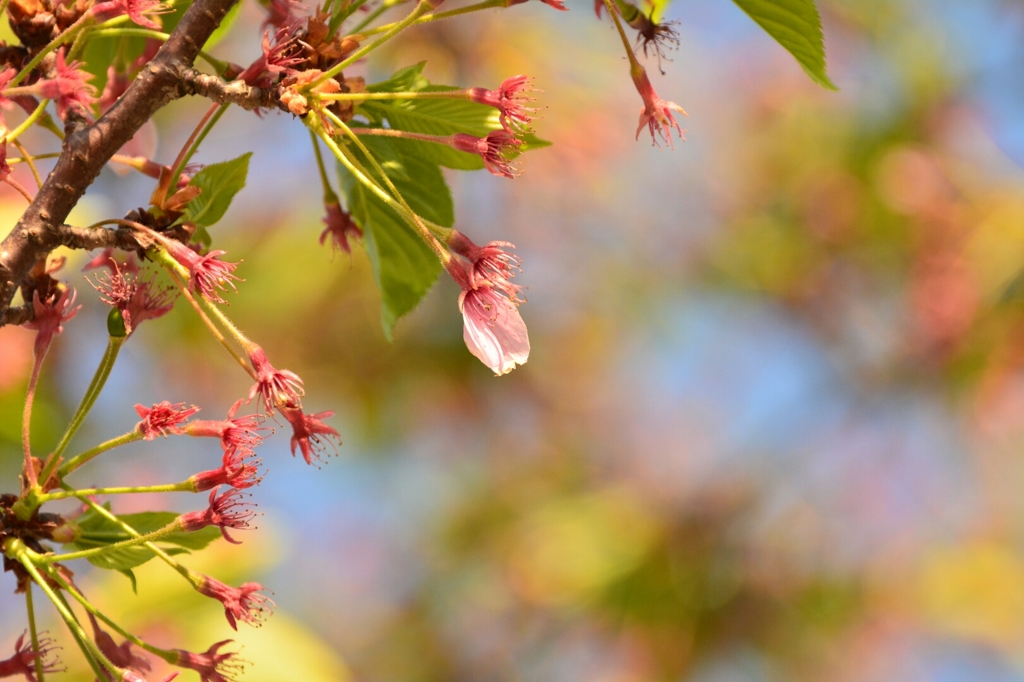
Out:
{"x": 219, "y": 182}
{"x": 796, "y": 26}
{"x": 98, "y": 531}
{"x": 403, "y": 265}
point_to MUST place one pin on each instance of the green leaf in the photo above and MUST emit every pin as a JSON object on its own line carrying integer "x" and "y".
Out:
{"x": 98, "y": 531}
{"x": 409, "y": 79}
{"x": 403, "y": 265}
{"x": 220, "y": 183}
{"x": 796, "y": 26}
{"x": 130, "y": 574}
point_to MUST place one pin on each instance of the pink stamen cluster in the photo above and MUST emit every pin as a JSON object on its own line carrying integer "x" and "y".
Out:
{"x": 340, "y": 227}
{"x": 137, "y": 299}
{"x": 228, "y": 510}
{"x": 163, "y": 419}
{"x": 23, "y": 662}
{"x": 135, "y": 9}
{"x": 274, "y": 387}
{"x": 207, "y": 274}
{"x": 510, "y": 99}
{"x": 211, "y": 665}
{"x": 68, "y": 87}
{"x": 656, "y": 113}
{"x": 496, "y": 150}
{"x": 240, "y": 603}
{"x": 310, "y": 434}
{"x": 50, "y": 315}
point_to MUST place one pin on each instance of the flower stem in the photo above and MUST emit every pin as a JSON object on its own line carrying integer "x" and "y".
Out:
{"x": 184, "y": 486}
{"x": 171, "y": 527}
{"x": 15, "y": 548}
{"x": 164, "y": 556}
{"x": 218, "y": 65}
{"x": 422, "y": 7}
{"x": 114, "y": 344}
{"x": 30, "y": 160}
{"x": 81, "y": 458}
{"x": 168, "y": 656}
{"x": 429, "y": 94}
{"x": 33, "y": 632}
{"x": 486, "y": 4}
{"x": 634, "y": 64}
{"x": 417, "y": 222}
{"x": 329, "y": 194}
{"x": 26, "y": 419}
{"x": 27, "y": 123}
{"x": 207, "y": 321}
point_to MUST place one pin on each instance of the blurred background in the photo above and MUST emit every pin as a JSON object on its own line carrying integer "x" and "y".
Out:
{"x": 771, "y": 428}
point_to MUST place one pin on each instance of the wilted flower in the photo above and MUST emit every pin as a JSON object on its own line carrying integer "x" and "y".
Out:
{"x": 24, "y": 659}
{"x": 236, "y": 470}
{"x": 233, "y": 432}
{"x": 340, "y": 227}
{"x": 510, "y": 99}
{"x": 207, "y": 274}
{"x": 135, "y": 9}
{"x": 50, "y": 316}
{"x": 656, "y": 113}
{"x": 240, "y": 603}
{"x": 120, "y": 655}
{"x": 495, "y": 150}
{"x": 136, "y": 300}
{"x": 309, "y": 433}
{"x": 225, "y": 511}
{"x": 162, "y": 419}
{"x": 275, "y": 387}
{"x": 211, "y": 665}
{"x": 68, "y": 87}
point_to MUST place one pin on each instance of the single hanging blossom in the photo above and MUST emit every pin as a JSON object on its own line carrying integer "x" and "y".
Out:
{"x": 656, "y": 113}
{"x": 135, "y": 9}
{"x": 163, "y": 419}
{"x": 212, "y": 665}
{"x": 240, "y": 603}
{"x": 340, "y": 227}
{"x": 510, "y": 99}
{"x": 309, "y": 432}
{"x": 493, "y": 329}
{"x": 225, "y": 511}
{"x": 275, "y": 387}
{"x": 495, "y": 150}
{"x": 68, "y": 87}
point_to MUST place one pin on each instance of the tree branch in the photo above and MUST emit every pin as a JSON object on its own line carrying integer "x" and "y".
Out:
{"x": 234, "y": 92}
{"x": 87, "y": 150}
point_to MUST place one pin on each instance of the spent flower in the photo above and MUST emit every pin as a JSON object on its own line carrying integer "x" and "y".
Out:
{"x": 309, "y": 433}
{"x": 274, "y": 387}
{"x": 212, "y": 665}
{"x": 496, "y": 150}
{"x": 240, "y": 603}
{"x": 511, "y": 100}
{"x": 656, "y": 113}
{"x": 163, "y": 419}
{"x": 228, "y": 510}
